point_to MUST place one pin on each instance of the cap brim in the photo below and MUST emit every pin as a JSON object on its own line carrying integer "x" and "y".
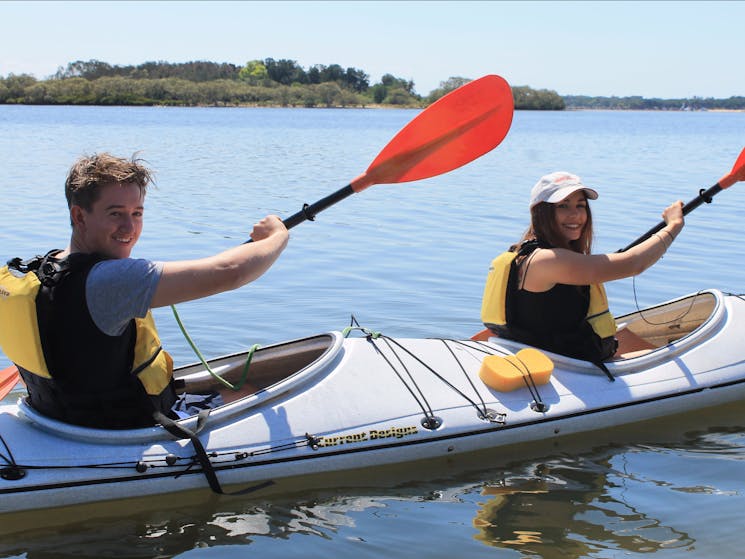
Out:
{"x": 567, "y": 191}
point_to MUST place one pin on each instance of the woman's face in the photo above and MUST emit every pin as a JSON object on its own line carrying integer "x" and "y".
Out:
{"x": 571, "y": 215}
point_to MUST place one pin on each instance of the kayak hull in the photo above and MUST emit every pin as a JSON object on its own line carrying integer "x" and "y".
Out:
{"x": 330, "y": 404}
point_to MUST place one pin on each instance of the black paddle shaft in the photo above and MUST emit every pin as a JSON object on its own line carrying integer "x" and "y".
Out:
{"x": 703, "y": 196}
{"x": 309, "y": 211}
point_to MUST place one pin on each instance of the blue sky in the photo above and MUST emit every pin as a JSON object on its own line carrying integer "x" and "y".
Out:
{"x": 654, "y": 49}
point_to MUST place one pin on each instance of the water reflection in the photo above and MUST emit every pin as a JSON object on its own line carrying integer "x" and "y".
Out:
{"x": 630, "y": 498}
{"x": 570, "y": 508}
{"x": 169, "y": 532}
{"x": 615, "y": 499}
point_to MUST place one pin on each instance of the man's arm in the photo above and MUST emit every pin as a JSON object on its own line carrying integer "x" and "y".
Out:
{"x": 187, "y": 280}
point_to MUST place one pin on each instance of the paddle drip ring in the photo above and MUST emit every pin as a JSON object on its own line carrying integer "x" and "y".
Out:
{"x": 309, "y": 216}
{"x": 705, "y": 196}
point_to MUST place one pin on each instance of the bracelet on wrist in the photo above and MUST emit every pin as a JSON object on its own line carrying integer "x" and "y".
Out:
{"x": 664, "y": 244}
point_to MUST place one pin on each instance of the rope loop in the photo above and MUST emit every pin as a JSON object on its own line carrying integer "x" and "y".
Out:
{"x": 221, "y": 380}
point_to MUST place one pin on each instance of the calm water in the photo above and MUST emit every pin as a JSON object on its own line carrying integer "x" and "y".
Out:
{"x": 407, "y": 260}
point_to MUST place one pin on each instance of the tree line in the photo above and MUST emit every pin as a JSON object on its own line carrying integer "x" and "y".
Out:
{"x": 285, "y": 83}
{"x": 267, "y": 82}
{"x": 638, "y": 103}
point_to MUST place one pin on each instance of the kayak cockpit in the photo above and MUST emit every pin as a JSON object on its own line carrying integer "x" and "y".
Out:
{"x": 671, "y": 328}
{"x": 669, "y": 322}
{"x": 275, "y": 371}
{"x": 267, "y": 367}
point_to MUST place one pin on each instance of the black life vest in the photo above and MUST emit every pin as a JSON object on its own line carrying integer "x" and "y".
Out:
{"x": 569, "y": 320}
{"x": 73, "y": 371}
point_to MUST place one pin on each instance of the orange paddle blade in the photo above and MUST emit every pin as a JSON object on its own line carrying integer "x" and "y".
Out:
{"x": 458, "y": 128}
{"x": 482, "y": 336}
{"x": 9, "y": 377}
{"x": 737, "y": 173}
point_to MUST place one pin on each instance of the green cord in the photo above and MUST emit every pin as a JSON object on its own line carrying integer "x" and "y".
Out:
{"x": 374, "y": 335}
{"x": 244, "y": 374}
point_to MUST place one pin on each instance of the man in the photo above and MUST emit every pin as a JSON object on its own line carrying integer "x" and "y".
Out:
{"x": 83, "y": 337}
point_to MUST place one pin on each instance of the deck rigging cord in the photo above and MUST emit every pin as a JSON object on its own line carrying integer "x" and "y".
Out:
{"x": 220, "y": 379}
{"x": 465, "y": 374}
{"x": 403, "y": 372}
{"x": 662, "y": 323}
{"x": 12, "y": 471}
{"x": 538, "y": 404}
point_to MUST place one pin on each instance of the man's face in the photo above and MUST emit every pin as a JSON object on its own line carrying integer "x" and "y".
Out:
{"x": 114, "y": 224}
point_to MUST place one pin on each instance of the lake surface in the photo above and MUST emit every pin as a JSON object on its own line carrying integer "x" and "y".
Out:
{"x": 406, "y": 260}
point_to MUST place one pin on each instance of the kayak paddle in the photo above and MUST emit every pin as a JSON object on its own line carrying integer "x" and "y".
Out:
{"x": 737, "y": 174}
{"x": 456, "y": 129}
{"x": 459, "y": 127}
{"x": 9, "y": 377}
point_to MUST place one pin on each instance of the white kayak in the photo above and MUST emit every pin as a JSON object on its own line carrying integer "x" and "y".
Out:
{"x": 330, "y": 403}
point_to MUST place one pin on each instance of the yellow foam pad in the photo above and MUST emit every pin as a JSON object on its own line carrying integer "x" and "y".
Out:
{"x": 508, "y": 373}
{"x": 538, "y": 363}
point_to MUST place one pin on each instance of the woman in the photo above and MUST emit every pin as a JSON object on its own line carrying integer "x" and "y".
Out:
{"x": 547, "y": 290}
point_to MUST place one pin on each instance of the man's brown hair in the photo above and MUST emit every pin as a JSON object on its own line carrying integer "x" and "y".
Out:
{"x": 89, "y": 173}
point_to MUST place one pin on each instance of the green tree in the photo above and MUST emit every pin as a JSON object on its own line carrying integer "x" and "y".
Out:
{"x": 450, "y": 84}
{"x": 542, "y": 99}
{"x": 314, "y": 74}
{"x": 16, "y": 85}
{"x": 90, "y": 70}
{"x": 253, "y": 72}
{"x": 379, "y": 92}
{"x": 394, "y": 91}
{"x": 328, "y": 93}
{"x": 390, "y": 81}
{"x": 332, "y": 73}
{"x": 356, "y": 80}
{"x": 399, "y": 96}
{"x": 285, "y": 71}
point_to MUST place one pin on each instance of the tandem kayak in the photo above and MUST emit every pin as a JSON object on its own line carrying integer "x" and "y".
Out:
{"x": 336, "y": 402}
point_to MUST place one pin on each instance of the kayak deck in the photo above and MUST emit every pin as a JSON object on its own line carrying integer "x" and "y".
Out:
{"x": 329, "y": 403}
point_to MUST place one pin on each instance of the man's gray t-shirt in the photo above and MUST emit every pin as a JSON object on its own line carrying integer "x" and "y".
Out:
{"x": 119, "y": 290}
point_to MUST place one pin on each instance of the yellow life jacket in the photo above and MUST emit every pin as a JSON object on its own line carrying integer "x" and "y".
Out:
{"x": 20, "y": 338}
{"x": 494, "y": 301}
{"x": 19, "y": 328}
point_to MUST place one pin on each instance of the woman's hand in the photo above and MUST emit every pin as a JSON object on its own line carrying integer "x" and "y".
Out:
{"x": 673, "y": 216}
{"x": 267, "y": 227}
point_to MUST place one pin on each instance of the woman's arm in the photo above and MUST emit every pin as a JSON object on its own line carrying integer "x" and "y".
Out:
{"x": 187, "y": 280}
{"x": 551, "y": 266}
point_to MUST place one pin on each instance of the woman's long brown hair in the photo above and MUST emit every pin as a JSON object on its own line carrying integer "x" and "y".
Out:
{"x": 543, "y": 228}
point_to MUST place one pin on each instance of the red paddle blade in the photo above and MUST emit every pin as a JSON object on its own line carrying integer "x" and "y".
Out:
{"x": 482, "y": 336}
{"x": 458, "y": 128}
{"x": 737, "y": 173}
{"x": 9, "y": 377}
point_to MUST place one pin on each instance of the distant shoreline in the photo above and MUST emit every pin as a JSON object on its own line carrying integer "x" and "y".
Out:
{"x": 570, "y": 109}
{"x": 374, "y": 106}
{"x": 284, "y": 83}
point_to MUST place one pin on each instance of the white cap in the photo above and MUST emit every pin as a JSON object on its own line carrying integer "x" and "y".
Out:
{"x": 555, "y": 187}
